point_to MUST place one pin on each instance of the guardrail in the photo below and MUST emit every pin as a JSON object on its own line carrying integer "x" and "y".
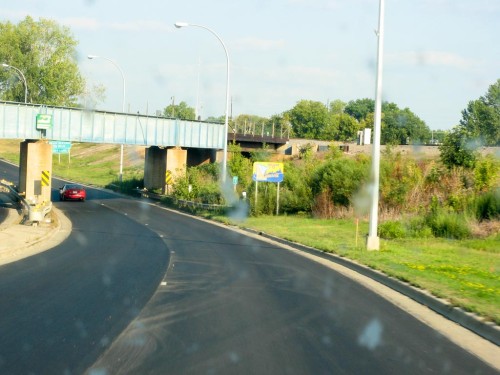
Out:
{"x": 182, "y": 203}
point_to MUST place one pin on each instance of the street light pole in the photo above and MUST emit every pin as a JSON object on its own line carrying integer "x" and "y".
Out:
{"x": 24, "y": 80}
{"x": 373, "y": 241}
{"x": 90, "y": 57}
{"x": 226, "y": 121}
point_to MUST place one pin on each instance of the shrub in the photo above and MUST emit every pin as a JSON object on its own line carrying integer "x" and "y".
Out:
{"x": 486, "y": 173}
{"x": 392, "y": 229}
{"x": 342, "y": 177}
{"x": 487, "y": 206}
{"x": 401, "y": 181}
{"x": 323, "y": 206}
{"x": 417, "y": 228}
{"x": 448, "y": 225}
{"x": 266, "y": 199}
{"x": 296, "y": 194}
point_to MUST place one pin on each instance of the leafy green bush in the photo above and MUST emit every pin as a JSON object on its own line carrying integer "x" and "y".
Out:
{"x": 296, "y": 193}
{"x": 266, "y": 199}
{"x": 486, "y": 173}
{"x": 239, "y": 165}
{"x": 392, "y": 229}
{"x": 181, "y": 188}
{"x": 342, "y": 177}
{"x": 459, "y": 148}
{"x": 417, "y": 228}
{"x": 448, "y": 224}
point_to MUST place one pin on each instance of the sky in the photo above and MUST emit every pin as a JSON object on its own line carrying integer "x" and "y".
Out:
{"x": 437, "y": 54}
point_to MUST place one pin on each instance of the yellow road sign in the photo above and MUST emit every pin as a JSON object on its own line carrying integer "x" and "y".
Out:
{"x": 45, "y": 178}
{"x": 168, "y": 177}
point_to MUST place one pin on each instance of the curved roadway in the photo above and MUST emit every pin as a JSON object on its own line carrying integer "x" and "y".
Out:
{"x": 60, "y": 309}
{"x": 228, "y": 304}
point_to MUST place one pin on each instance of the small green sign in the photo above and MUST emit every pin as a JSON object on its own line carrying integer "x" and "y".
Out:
{"x": 43, "y": 121}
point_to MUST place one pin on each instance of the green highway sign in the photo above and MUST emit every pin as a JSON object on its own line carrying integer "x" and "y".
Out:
{"x": 43, "y": 121}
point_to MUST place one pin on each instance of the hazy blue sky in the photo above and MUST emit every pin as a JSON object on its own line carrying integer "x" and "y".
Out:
{"x": 438, "y": 55}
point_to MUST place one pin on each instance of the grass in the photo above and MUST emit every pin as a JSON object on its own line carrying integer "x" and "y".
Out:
{"x": 465, "y": 272}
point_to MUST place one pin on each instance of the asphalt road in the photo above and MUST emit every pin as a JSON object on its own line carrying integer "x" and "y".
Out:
{"x": 61, "y": 309}
{"x": 236, "y": 305}
{"x": 228, "y": 304}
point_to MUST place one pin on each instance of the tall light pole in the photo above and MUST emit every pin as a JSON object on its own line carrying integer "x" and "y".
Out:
{"x": 90, "y": 57}
{"x": 224, "y": 159}
{"x": 24, "y": 80}
{"x": 373, "y": 241}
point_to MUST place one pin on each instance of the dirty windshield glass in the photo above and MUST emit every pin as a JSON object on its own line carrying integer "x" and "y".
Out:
{"x": 285, "y": 187}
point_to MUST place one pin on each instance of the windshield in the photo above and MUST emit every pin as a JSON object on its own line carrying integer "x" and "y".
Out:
{"x": 249, "y": 187}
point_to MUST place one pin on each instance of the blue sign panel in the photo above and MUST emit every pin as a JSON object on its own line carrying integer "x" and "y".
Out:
{"x": 60, "y": 147}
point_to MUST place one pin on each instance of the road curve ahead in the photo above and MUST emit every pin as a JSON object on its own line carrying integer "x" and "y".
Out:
{"x": 231, "y": 304}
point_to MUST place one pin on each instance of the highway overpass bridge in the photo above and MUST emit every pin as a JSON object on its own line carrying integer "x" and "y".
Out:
{"x": 172, "y": 144}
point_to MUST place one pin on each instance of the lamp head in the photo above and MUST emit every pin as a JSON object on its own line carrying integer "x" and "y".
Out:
{"x": 90, "y": 57}
{"x": 181, "y": 24}
{"x": 5, "y": 65}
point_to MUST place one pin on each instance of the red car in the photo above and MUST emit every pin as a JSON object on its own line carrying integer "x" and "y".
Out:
{"x": 72, "y": 192}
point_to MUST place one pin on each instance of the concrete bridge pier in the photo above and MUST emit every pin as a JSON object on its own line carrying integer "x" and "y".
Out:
{"x": 174, "y": 160}
{"x": 160, "y": 160}
{"x": 35, "y": 170}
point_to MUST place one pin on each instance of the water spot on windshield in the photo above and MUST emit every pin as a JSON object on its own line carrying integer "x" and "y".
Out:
{"x": 371, "y": 336}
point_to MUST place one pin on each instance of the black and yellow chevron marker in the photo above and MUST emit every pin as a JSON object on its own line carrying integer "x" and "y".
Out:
{"x": 45, "y": 178}
{"x": 168, "y": 177}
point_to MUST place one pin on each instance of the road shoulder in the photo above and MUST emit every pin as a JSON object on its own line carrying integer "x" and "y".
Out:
{"x": 18, "y": 241}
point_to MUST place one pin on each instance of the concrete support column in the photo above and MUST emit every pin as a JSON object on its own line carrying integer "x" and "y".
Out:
{"x": 176, "y": 161}
{"x": 35, "y": 170}
{"x": 158, "y": 161}
{"x": 219, "y": 155}
{"x": 155, "y": 167}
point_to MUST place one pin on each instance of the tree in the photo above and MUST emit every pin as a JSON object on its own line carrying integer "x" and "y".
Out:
{"x": 337, "y": 107}
{"x": 402, "y": 126}
{"x": 348, "y": 127}
{"x": 399, "y": 126}
{"x": 308, "y": 119}
{"x": 458, "y": 149}
{"x": 360, "y": 108}
{"x": 46, "y": 54}
{"x": 181, "y": 111}
{"x": 480, "y": 125}
{"x": 481, "y": 118}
